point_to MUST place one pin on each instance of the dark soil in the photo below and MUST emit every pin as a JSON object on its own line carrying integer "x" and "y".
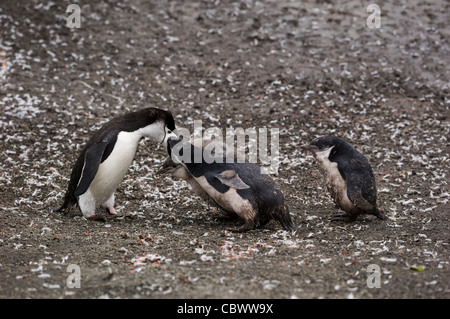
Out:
{"x": 309, "y": 68}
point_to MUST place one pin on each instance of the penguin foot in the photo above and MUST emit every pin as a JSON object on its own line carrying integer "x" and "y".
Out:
{"x": 379, "y": 215}
{"x": 342, "y": 217}
{"x": 97, "y": 218}
{"x": 115, "y": 213}
{"x": 245, "y": 227}
{"x": 223, "y": 215}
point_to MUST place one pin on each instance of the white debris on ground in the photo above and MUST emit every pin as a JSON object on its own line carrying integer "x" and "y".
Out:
{"x": 306, "y": 69}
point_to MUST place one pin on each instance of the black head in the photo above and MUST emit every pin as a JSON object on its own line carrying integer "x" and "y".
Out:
{"x": 182, "y": 150}
{"x": 169, "y": 124}
{"x": 176, "y": 148}
{"x": 169, "y": 121}
{"x": 195, "y": 159}
{"x": 151, "y": 115}
{"x": 171, "y": 142}
{"x": 324, "y": 143}
{"x": 145, "y": 117}
{"x": 153, "y": 122}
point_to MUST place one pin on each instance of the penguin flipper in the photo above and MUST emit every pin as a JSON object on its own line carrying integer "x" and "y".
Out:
{"x": 361, "y": 193}
{"x": 231, "y": 179}
{"x": 92, "y": 160}
{"x": 361, "y": 190}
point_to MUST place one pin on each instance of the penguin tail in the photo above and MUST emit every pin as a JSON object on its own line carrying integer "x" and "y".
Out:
{"x": 379, "y": 214}
{"x": 285, "y": 220}
{"x": 63, "y": 207}
{"x": 68, "y": 201}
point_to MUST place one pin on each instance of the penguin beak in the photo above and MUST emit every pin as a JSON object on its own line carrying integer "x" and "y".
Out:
{"x": 309, "y": 147}
{"x": 166, "y": 167}
{"x": 167, "y": 134}
{"x": 169, "y": 146}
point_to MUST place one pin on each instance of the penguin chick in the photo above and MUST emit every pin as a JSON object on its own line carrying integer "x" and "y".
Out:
{"x": 348, "y": 175}
{"x": 237, "y": 188}
{"x": 179, "y": 171}
{"x": 104, "y": 161}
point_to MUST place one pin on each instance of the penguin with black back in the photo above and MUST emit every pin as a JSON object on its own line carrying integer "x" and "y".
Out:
{"x": 179, "y": 171}
{"x": 237, "y": 188}
{"x": 349, "y": 177}
{"x": 107, "y": 156}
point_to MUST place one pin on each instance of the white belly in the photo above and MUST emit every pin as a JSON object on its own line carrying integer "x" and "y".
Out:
{"x": 335, "y": 183}
{"x": 230, "y": 200}
{"x": 112, "y": 171}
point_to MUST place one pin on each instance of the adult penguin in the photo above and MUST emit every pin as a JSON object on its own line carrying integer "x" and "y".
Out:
{"x": 104, "y": 161}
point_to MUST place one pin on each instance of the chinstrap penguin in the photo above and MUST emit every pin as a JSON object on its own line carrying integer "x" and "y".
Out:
{"x": 239, "y": 189}
{"x": 104, "y": 161}
{"x": 348, "y": 175}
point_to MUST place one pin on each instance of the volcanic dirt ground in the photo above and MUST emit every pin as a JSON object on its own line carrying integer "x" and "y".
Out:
{"x": 308, "y": 68}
